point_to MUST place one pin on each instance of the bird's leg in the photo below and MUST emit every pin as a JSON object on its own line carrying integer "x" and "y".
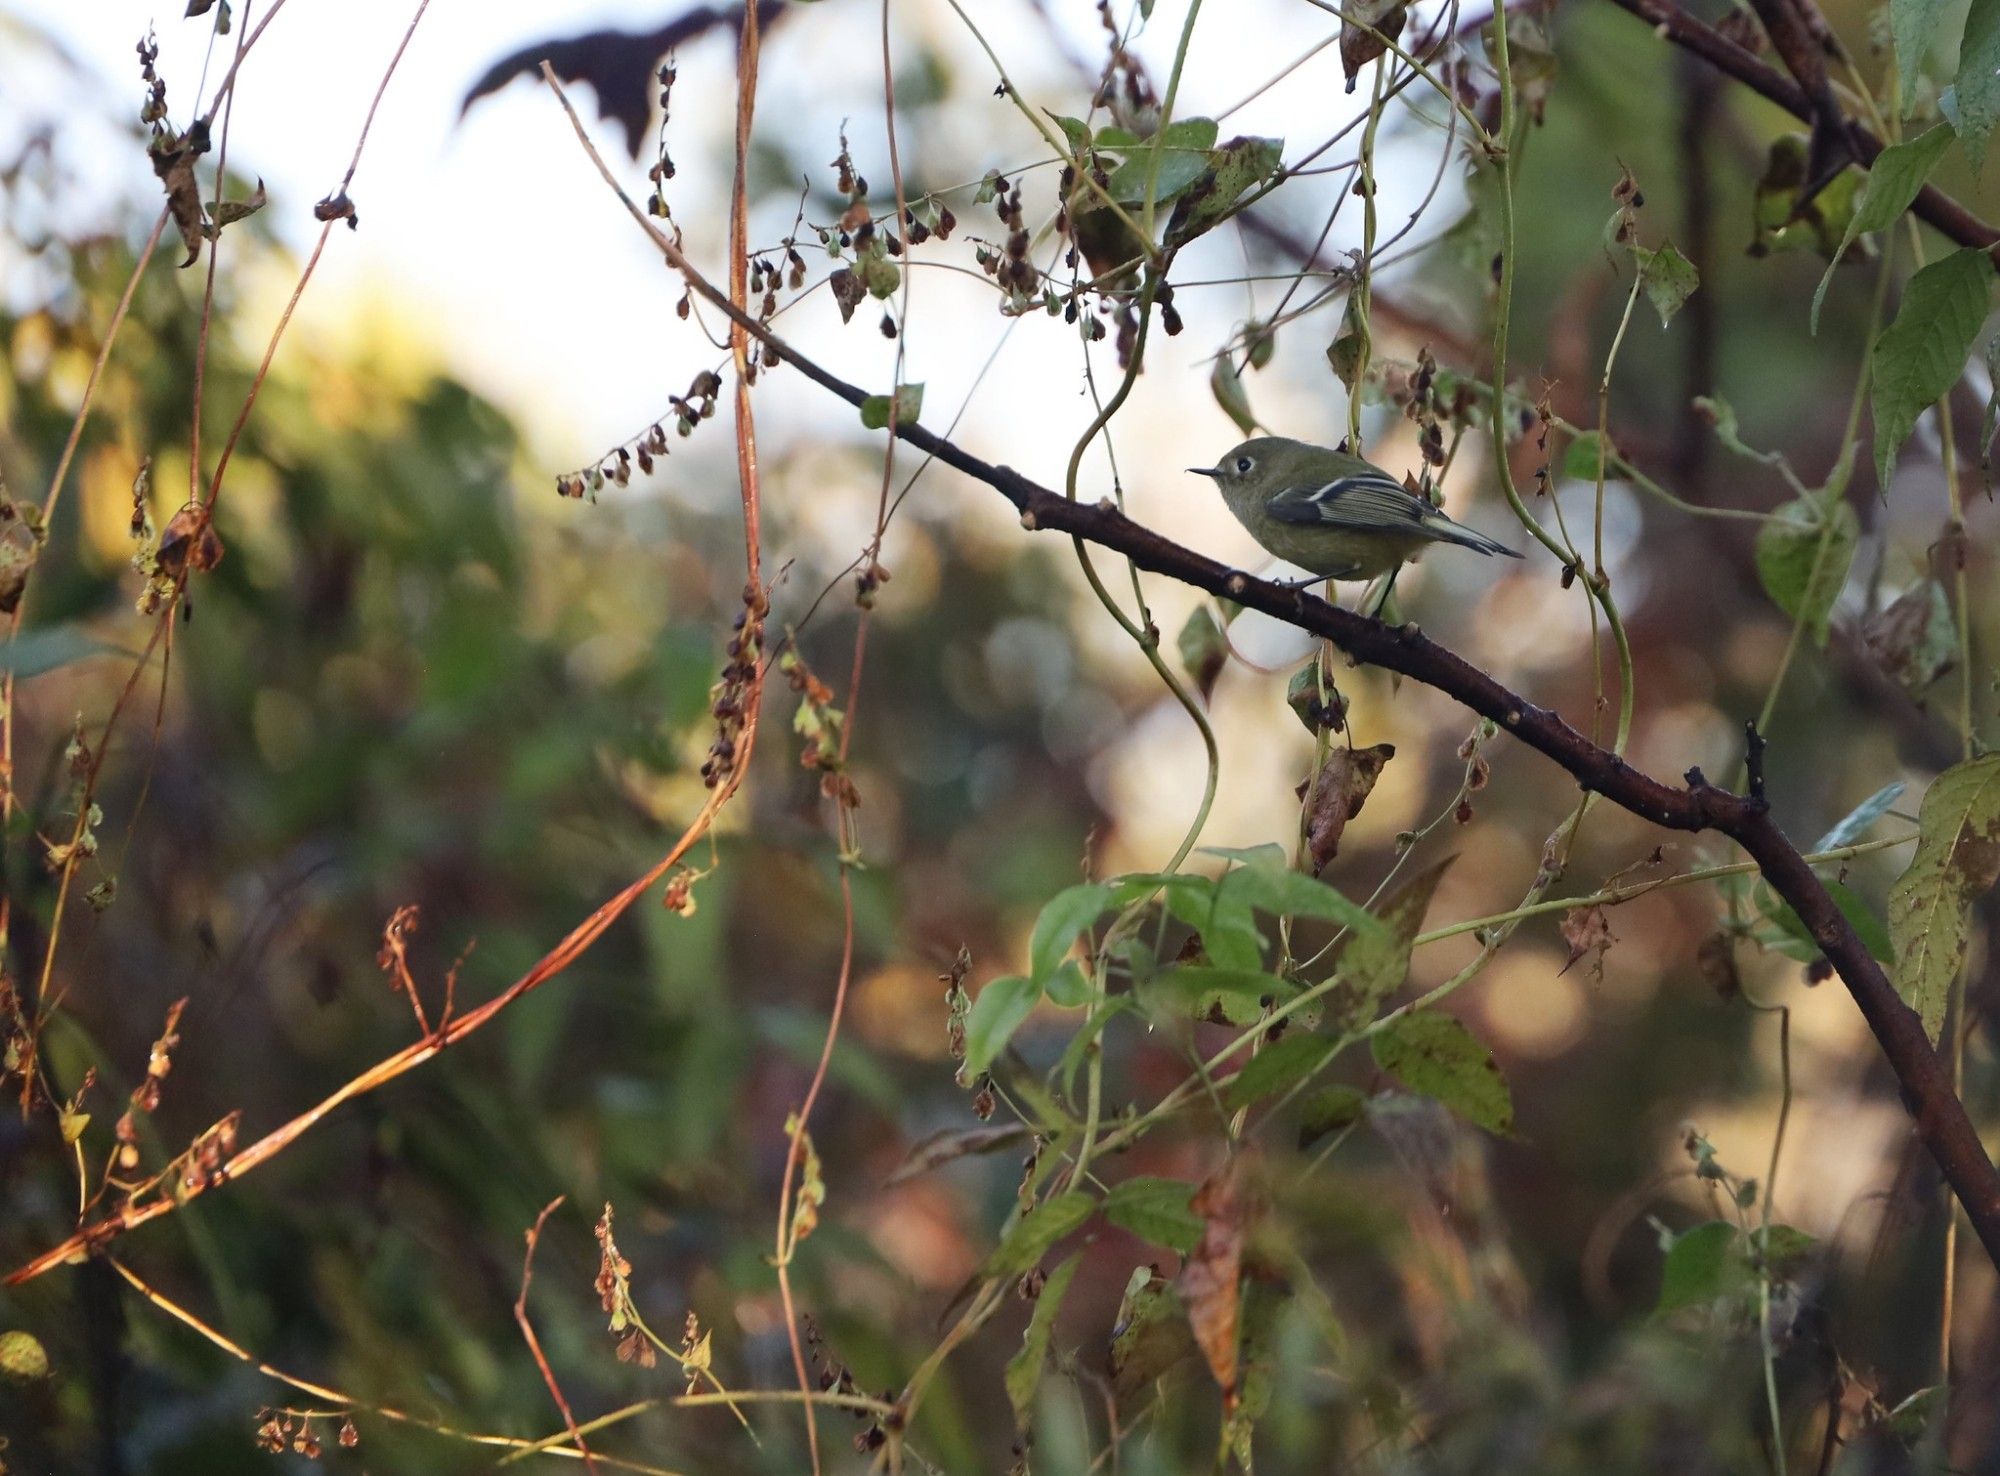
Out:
{"x": 1388, "y": 590}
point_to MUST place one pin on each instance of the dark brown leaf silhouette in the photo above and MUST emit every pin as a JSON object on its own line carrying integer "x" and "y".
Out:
{"x": 618, "y": 65}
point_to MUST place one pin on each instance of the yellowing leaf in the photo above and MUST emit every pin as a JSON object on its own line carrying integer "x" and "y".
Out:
{"x": 1957, "y": 859}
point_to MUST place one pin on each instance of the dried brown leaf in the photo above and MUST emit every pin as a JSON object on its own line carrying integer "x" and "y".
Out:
{"x": 1210, "y": 1280}
{"x": 1588, "y": 932}
{"x": 1336, "y": 796}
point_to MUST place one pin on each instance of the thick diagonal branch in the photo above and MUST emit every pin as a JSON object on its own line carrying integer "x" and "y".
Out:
{"x": 1926, "y": 1085}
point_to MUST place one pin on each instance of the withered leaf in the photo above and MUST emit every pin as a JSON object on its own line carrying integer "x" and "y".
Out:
{"x": 950, "y": 1144}
{"x": 1210, "y": 1279}
{"x": 189, "y": 543}
{"x": 848, "y": 290}
{"x": 173, "y": 161}
{"x": 1588, "y": 932}
{"x": 1336, "y": 796}
{"x": 231, "y": 211}
{"x": 1914, "y": 640}
{"x": 1716, "y": 958}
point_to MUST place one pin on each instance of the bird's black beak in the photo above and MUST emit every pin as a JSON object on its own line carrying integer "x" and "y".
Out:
{"x": 1205, "y": 471}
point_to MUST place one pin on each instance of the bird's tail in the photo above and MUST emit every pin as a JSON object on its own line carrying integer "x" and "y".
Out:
{"x": 1445, "y": 530}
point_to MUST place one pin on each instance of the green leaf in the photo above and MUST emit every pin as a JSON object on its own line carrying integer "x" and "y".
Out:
{"x": 1803, "y": 555}
{"x": 1075, "y": 131}
{"x": 1667, "y": 278}
{"x": 994, "y": 1017}
{"x": 1024, "y": 1369}
{"x": 1855, "y": 823}
{"x": 1179, "y": 169}
{"x": 1913, "y": 25}
{"x": 1978, "y": 84}
{"x": 1063, "y": 917}
{"x": 1195, "y": 989}
{"x": 36, "y": 651}
{"x": 23, "y": 1359}
{"x": 1190, "y": 133}
{"x": 909, "y": 400}
{"x": 1068, "y": 986}
{"x": 1227, "y": 387}
{"x": 1328, "y": 1111}
{"x": 1893, "y": 181}
{"x": 1919, "y": 357}
{"x": 1235, "y": 169}
{"x": 1374, "y": 965}
{"x": 1156, "y": 1210}
{"x": 1957, "y": 859}
{"x": 1707, "y": 1262}
{"x": 1286, "y": 893}
{"x": 1204, "y": 647}
{"x": 1037, "y": 1230}
{"x": 1782, "y": 1247}
{"x": 1582, "y": 456}
{"x": 1860, "y": 916}
{"x": 1278, "y": 1066}
{"x": 1433, "y": 1054}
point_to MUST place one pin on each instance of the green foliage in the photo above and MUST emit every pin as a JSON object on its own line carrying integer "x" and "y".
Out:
{"x": 1024, "y": 1369}
{"x": 1155, "y": 1210}
{"x": 1803, "y": 555}
{"x": 1668, "y": 279}
{"x": 1894, "y": 179}
{"x": 1957, "y": 860}
{"x": 1432, "y": 1054}
{"x": 908, "y": 402}
{"x": 1703, "y": 1265}
{"x": 1920, "y": 356}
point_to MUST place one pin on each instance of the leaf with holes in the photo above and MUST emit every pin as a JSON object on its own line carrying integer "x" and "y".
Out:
{"x": 1957, "y": 859}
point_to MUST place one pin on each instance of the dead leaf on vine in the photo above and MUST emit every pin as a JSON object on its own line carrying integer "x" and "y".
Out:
{"x": 1588, "y": 932}
{"x": 190, "y": 543}
{"x": 1210, "y": 1280}
{"x": 1337, "y": 795}
{"x": 173, "y": 162}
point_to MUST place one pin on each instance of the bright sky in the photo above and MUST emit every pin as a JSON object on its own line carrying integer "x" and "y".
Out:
{"x": 495, "y": 239}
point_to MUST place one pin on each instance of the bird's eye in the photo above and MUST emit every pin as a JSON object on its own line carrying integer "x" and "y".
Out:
{"x": 1244, "y": 463}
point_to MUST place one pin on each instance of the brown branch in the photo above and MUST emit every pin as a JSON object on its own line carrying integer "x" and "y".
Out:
{"x": 1940, "y": 1117}
{"x": 1697, "y": 36}
{"x": 535, "y": 1344}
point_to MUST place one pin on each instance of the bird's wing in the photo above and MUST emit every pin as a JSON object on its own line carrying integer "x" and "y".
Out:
{"x": 1368, "y": 500}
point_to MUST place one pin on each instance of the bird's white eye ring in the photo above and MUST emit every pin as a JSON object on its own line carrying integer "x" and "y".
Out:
{"x": 1244, "y": 463}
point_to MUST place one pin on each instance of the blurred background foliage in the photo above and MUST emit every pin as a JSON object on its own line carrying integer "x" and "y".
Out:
{"x": 419, "y": 678}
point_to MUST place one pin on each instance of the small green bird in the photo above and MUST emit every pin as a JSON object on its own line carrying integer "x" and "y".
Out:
{"x": 1331, "y": 512}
